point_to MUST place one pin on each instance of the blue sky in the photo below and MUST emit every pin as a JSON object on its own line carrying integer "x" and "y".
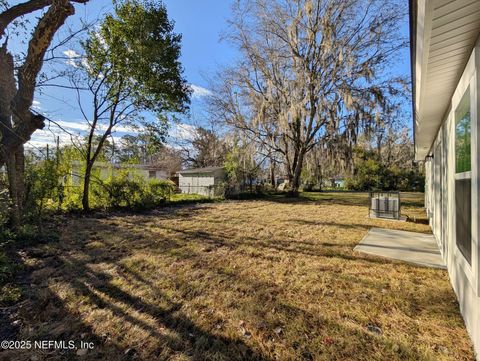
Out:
{"x": 201, "y": 24}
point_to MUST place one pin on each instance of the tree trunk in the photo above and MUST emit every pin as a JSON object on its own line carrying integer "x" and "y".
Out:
{"x": 16, "y": 184}
{"x": 295, "y": 187}
{"x": 86, "y": 187}
{"x": 15, "y": 213}
{"x": 319, "y": 176}
{"x": 272, "y": 174}
{"x": 20, "y": 170}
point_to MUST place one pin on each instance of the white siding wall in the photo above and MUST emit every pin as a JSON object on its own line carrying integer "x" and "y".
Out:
{"x": 440, "y": 201}
{"x": 106, "y": 171}
{"x": 196, "y": 183}
{"x": 206, "y": 184}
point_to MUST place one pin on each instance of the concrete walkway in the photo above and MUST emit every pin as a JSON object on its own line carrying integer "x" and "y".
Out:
{"x": 417, "y": 248}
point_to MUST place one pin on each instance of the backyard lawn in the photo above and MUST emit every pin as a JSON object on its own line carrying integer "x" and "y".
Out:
{"x": 271, "y": 279}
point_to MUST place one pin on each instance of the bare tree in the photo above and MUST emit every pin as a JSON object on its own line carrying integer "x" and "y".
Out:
{"x": 311, "y": 70}
{"x": 168, "y": 159}
{"x": 209, "y": 148}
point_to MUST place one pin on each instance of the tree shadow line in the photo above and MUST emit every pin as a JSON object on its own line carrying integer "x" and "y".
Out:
{"x": 99, "y": 288}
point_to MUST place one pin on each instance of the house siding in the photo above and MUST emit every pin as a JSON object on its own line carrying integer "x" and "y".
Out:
{"x": 105, "y": 171}
{"x": 203, "y": 183}
{"x": 440, "y": 200}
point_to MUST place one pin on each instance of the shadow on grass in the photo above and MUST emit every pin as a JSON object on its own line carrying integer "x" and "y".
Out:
{"x": 163, "y": 316}
{"x": 308, "y": 222}
{"x": 311, "y": 249}
{"x": 344, "y": 198}
{"x": 349, "y": 199}
{"x": 55, "y": 320}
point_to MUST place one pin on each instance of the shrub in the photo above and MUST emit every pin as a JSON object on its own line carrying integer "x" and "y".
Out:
{"x": 161, "y": 190}
{"x": 127, "y": 191}
{"x": 120, "y": 192}
{"x": 54, "y": 184}
{"x": 372, "y": 175}
{"x": 369, "y": 176}
{"x": 43, "y": 188}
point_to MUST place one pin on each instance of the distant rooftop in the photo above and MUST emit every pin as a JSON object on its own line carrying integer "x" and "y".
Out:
{"x": 201, "y": 170}
{"x": 122, "y": 165}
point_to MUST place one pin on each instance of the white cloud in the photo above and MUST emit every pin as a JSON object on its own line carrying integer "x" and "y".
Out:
{"x": 199, "y": 92}
{"x": 76, "y": 125}
{"x": 83, "y": 126}
{"x": 182, "y": 131}
{"x": 65, "y": 130}
{"x": 75, "y": 59}
{"x": 72, "y": 56}
{"x": 126, "y": 129}
{"x": 36, "y": 105}
{"x": 43, "y": 137}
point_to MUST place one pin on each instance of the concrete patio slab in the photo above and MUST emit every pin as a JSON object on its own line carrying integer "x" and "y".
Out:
{"x": 417, "y": 248}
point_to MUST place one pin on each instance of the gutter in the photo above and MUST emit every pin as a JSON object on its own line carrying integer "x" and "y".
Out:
{"x": 413, "y": 61}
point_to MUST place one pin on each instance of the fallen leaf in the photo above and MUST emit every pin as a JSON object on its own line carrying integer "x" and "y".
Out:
{"x": 375, "y": 329}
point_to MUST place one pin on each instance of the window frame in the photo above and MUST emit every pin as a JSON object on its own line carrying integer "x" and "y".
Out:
{"x": 466, "y": 95}
{"x": 469, "y": 80}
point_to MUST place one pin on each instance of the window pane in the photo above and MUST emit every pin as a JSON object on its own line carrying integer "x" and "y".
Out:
{"x": 463, "y": 200}
{"x": 462, "y": 135}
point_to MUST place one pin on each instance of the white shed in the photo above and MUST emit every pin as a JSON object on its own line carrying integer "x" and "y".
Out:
{"x": 204, "y": 181}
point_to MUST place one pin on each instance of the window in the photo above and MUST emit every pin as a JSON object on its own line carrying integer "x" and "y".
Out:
{"x": 463, "y": 178}
{"x": 152, "y": 174}
{"x": 463, "y": 135}
{"x": 463, "y": 211}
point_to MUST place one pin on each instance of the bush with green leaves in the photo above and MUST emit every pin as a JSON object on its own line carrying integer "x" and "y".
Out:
{"x": 160, "y": 190}
{"x": 43, "y": 186}
{"x": 56, "y": 184}
{"x": 130, "y": 191}
{"x": 372, "y": 175}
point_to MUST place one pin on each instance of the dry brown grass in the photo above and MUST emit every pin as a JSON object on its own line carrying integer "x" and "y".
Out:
{"x": 249, "y": 280}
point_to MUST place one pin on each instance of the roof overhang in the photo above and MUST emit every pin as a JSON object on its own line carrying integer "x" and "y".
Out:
{"x": 443, "y": 35}
{"x": 201, "y": 170}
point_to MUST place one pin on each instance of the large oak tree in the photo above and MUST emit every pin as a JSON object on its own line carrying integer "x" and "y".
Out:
{"x": 310, "y": 71}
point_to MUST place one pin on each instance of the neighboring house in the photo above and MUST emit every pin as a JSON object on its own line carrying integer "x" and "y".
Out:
{"x": 204, "y": 181}
{"x": 107, "y": 170}
{"x": 446, "y": 97}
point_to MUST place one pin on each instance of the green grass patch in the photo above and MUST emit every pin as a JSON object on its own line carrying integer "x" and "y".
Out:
{"x": 182, "y": 198}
